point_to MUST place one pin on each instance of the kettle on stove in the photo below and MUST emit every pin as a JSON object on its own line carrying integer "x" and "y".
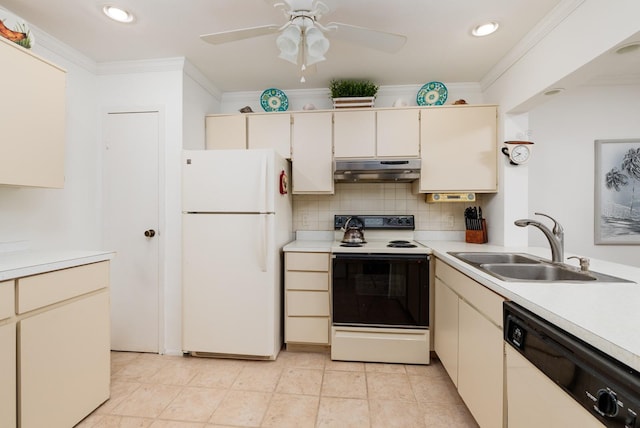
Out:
{"x": 353, "y": 231}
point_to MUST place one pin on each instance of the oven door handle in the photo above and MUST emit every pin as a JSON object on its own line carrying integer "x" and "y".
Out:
{"x": 401, "y": 257}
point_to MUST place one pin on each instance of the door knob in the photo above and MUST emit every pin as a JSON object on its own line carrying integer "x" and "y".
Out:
{"x": 150, "y": 233}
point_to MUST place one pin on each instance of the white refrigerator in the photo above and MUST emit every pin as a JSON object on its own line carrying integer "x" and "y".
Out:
{"x": 237, "y": 216}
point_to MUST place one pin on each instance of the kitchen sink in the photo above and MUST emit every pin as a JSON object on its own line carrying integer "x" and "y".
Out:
{"x": 536, "y": 272}
{"x": 481, "y": 257}
{"x": 529, "y": 268}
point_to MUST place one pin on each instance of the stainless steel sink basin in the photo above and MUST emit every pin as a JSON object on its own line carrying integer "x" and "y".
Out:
{"x": 536, "y": 272}
{"x": 481, "y": 258}
{"x": 529, "y": 268}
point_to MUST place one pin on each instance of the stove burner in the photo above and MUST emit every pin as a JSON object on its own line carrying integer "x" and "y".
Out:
{"x": 351, "y": 244}
{"x": 400, "y": 243}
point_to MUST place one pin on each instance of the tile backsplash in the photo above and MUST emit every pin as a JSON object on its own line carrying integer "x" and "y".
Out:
{"x": 315, "y": 212}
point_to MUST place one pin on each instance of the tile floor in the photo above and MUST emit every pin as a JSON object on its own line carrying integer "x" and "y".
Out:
{"x": 299, "y": 389}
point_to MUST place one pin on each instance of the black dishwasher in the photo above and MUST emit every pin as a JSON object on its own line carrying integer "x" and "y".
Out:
{"x": 608, "y": 389}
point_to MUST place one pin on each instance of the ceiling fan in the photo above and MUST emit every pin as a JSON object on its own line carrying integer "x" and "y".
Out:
{"x": 302, "y": 38}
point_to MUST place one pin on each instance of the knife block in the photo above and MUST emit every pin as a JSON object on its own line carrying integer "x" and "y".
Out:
{"x": 477, "y": 236}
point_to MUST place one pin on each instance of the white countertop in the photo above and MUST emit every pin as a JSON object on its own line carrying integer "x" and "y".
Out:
{"x": 18, "y": 264}
{"x": 603, "y": 314}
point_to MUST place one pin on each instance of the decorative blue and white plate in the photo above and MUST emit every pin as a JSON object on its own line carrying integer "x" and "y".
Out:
{"x": 273, "y": 99}
{"x": 432, "y": 94}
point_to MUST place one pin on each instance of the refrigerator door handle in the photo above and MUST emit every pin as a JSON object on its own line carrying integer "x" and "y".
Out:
{"x": 263, "y": 185}
{"x": 263, "y": 243}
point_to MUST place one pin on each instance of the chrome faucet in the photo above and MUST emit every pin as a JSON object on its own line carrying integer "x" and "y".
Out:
{"x": 555, "y": 237}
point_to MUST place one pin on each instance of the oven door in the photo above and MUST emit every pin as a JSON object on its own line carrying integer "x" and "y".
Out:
{"x": 381, "y": 290}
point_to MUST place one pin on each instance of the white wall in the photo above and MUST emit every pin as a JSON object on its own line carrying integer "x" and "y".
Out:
{"x": 69, "y": 217}
{"x": 561, "y": 171}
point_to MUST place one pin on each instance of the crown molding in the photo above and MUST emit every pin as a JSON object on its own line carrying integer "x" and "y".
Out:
{"x": 533, "y": 37}
{"x": 141, "y": 66}
{"x": 56, "y": 47}
{"x": 194, "y": 73}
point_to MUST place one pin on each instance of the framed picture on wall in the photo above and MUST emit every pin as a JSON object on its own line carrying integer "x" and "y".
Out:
{"x": 617, "y": 192}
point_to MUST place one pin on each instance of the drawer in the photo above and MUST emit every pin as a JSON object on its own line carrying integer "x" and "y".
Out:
{"x": 52, "y": 287}
{"x": 7, "y": 299}
{"x": 477, "y": 295}
{"x": 307, "y": 303}
{"x": 318, "y": 262}
{"x": 307, "y": 330}
{"x": 296, "y": 280}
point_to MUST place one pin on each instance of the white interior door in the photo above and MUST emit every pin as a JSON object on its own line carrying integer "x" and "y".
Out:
{"x": 131, "y": 217}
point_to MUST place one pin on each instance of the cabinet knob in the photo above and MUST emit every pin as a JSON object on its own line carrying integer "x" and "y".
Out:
{"x": 150, "y": 233}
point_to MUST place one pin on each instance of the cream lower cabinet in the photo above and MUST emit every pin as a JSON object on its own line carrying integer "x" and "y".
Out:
{"x": 33, "y": 119}
{"x": 307, "y": 299}
{"x": 458, "y": 146}
{"x": 312, "y": 153}
{"x": 63, "y": 345}
{"x": 7, "y": 355}
{"x": 468, "y": 341}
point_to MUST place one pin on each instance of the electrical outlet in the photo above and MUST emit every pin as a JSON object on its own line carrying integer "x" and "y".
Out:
{"x": 449, "y": 221}
{"x": 305, "y": 220}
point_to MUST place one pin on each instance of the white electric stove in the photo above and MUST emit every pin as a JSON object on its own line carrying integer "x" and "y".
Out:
{"x": 380, "y": 292}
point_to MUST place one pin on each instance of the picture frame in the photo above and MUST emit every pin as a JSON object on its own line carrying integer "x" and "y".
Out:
{"x": 617, "y": 192}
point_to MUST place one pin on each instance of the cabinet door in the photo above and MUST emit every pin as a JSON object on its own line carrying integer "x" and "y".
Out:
{"x": 480, "y": 366}
{"x": 354, "y": 134}
{"x": 64, "y": 362}
{"x": 33, "y": 119}
{"x": 398, "y": 133}
{"x": 226, "y": 132}
{"x": 459, "y": 149}
{"x": 8, "y": 375}
{"x": 311, "y": 153}
{"x": 270, "y": 131}
{"x": 446, "y": 329}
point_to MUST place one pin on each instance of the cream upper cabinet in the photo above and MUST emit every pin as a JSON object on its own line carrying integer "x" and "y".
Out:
{"x": 226, "y": 132}
{"x": 311, "y": 153}
{"x": 33, "y": 119}
{"x": 398, "y": 133}
{"x": 270, "y": 131}
{"x": 354, "y": 134}
{"x": 376, "y": 133}
{"x": 458, "y": 149}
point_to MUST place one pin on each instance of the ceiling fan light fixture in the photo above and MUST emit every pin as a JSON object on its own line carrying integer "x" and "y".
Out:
{"x": 316, "y": 44}
{"x": 118, "y": 14}
{"x": 289, "y": 40}
{"x": 485, "y": 29}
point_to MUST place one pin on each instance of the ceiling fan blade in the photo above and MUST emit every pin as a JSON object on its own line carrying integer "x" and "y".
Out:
{"x": 245, "y": 33}
{"x": 374, "y": 39}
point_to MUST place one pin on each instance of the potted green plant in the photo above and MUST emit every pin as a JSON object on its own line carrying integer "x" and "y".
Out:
{"x": 348, "y": 93}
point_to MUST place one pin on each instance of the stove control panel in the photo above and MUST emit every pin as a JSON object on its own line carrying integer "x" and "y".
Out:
{"x": 383, "y": 222}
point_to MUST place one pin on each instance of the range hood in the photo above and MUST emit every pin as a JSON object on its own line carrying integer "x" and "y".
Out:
{"x": 377, "y": 170}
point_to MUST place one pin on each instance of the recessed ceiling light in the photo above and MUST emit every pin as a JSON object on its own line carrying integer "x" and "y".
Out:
{"x": 485, "y": 29}
{"x": 553, "y": 91}
{"x": 631, "y": 47}
{"x": 118, "y": 14}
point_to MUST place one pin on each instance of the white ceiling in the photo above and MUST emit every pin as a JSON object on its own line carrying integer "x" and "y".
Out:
{"x": 439, "y": 45}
